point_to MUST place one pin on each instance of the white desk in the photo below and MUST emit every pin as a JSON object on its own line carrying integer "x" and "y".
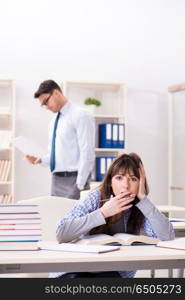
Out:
{"x": 170, "y": 208}
{"x": 128, "y": 258}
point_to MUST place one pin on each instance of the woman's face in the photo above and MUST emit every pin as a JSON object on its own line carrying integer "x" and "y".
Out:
{"x": 125, "y": 183}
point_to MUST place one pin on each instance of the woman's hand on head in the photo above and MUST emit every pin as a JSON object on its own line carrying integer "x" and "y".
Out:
{"x": 117, "y": 204}
{"x": 142, "y": 190}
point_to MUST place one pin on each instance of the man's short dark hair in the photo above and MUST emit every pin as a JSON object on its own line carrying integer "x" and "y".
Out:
{"x": 47, "y": 87}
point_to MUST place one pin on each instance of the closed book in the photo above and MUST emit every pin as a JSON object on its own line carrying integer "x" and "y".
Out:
{"x": 14, "y": 208}
{"x": 14, "y": 216}
{"x": 24, "y": 226}
{"x": 118, "y": 238}
{"x": 22, "y": 246}
{"x": 100, "y": 168}
{"x": 17, "y": 238}
{"x": 105, "y": 135}
{"x": 14, "y": 232}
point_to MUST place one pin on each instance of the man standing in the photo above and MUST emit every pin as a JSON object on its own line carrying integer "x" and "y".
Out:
{"x": 71, "y": 143}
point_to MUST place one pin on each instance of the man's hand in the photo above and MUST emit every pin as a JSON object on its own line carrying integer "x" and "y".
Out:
{"x": 33, "y": 160}
{"x": 117, "y": 204}
{"x": 80, "y": 187}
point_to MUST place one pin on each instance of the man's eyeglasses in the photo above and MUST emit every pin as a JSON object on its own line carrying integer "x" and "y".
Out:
{"x": 45, "y": 102}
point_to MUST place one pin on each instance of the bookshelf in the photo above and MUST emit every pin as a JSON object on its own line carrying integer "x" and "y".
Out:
{"x": 176, "y": 147}
{"x": 7, "y": 129}
{"x": 113, "y": 97}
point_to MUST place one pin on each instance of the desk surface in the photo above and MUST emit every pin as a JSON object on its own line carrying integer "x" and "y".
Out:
{"x": 178, "y": 225}
{"x": 128, "y": 258}
{"x": 170, "y": 208}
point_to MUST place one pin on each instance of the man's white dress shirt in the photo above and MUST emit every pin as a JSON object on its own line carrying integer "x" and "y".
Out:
{"x": 75, "y": 142}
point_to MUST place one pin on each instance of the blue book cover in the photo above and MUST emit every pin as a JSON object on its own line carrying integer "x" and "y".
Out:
{"x": 109, "y": 160}
{"x": 121, "y": 135}
{"x": 105, "y": 135}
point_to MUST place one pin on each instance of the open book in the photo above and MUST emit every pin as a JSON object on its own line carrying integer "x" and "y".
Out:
{"x": 118, "y": 238}
{"x": 178, "y": 243}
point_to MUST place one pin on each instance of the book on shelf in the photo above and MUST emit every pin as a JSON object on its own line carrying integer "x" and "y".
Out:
{"x": 24, "y": 226}
{"x": 102, "y": 165}
{"x": 177, "y": 220}
{"x": 178, "y": 243}
{"x": 21, "y": 238}
{"x": 6, "y": 172}
{"x": 118, "y": 238}
{"x": 5, "y": 198}
{"x": 21, "y": 246}
{"x": 19, "y": 232}
{"x": 105, "y": 135}
{"x": 19, "y": 208}
{"x": 22, "y": 216}
{"x": 5, "y": 166}
{"x": 70, "y": 247}
{"x": 121, "y": 135}
{"x": 27, "y": 146}
{"x": 4, "y": 109}
{"x": 2, "y": 169}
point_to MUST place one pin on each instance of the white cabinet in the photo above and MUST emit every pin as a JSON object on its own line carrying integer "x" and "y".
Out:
{"x": 7, "y": 128}
{"x": 113, "y": 98}
{"x": 176, "y": 147}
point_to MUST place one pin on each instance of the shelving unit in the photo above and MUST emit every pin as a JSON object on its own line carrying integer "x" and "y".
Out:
{"x": 7, "y": 129}
{"x": 113, "y": 97}
{"x": 176, "y": 147}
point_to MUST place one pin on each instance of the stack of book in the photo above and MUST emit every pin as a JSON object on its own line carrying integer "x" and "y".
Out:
{"x": 5, "y": 166}
{"x": 112, "y": 135}
{"x": 20, "y": 227}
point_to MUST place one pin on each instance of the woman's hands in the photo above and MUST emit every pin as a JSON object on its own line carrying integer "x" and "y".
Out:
{"x": 117, "y": 204}
{"x": 142, "y": 190}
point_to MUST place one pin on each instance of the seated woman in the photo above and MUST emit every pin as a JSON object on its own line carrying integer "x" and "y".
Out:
{"x": 120, "y": 204}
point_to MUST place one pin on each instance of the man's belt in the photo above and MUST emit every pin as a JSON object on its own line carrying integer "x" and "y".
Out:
{"x": 66, "y": 174}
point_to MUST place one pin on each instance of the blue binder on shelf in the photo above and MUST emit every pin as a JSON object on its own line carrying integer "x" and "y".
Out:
{"x": 102, "y": 165}
{"x": 109, "y": 160}
{"x": 115, "y": 127}
{"x": 105, "y": 135}
{"x": 121, "y": 135}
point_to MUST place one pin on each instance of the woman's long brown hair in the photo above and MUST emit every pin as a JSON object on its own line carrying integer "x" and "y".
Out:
{"x": 126, "y": 163}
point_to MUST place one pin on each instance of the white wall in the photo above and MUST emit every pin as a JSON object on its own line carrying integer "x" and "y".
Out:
{"x": 138, "y": 42}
